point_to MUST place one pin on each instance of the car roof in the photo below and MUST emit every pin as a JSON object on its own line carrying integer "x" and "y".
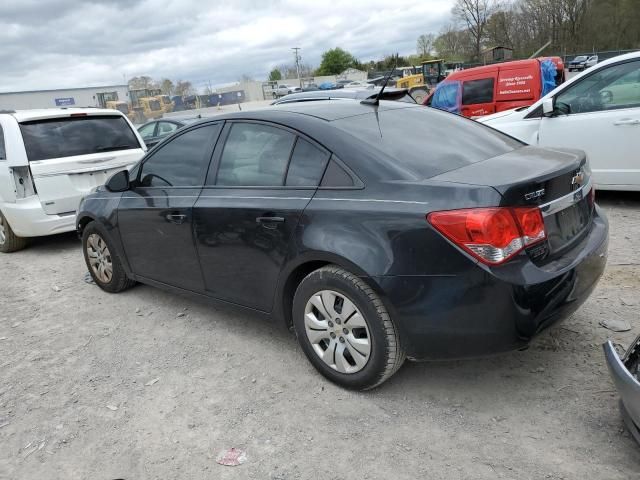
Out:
{"x": 351, "y": 93}
{"x": 323, "y": 109}
{"x": 46, "y": 113}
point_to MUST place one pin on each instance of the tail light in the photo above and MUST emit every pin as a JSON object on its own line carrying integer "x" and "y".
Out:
{"x": 23, "y": 181}
{"x": 492, "y": 235}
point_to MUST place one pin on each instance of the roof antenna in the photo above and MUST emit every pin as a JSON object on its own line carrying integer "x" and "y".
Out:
{"x": 376, "y": 100}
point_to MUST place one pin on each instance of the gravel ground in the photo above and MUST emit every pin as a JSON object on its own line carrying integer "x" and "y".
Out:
{"x": 147, "y": 384}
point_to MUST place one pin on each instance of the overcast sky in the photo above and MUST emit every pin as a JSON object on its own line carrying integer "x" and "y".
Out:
{"x": 66, "y": 43}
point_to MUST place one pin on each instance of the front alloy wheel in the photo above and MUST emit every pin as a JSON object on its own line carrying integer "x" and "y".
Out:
{"x": 337, "y": 331}
{"x": 99, "y": 258}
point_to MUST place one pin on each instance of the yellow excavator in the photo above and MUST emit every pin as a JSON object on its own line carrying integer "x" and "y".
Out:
{"x": 428, "y": 75}
{"x": 135, "y": 114}
{"x": 149, "y": 101}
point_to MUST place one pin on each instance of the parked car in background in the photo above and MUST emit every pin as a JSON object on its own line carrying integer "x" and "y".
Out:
{"x": 284, "y": 89}
{"x": 378, "y": 231}
{"x": 396, "y": 94}
{"x": 49, "y": 159}
{"x": 597, "y": 111}
{"x": 578, "y": 63}
{"x": 592, "y": 60}
{"x": 625, "y": 372}
{"x": 582, "y": 62}
{"x": 479, "y": 91}
{"x": 330, "y": 86}
{"x": 311, "y": 87}
{"x": 358, "y": 84}
{"x": 155, "y": 131}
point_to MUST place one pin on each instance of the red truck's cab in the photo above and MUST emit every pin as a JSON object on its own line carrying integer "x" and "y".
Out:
{"x": 493, "y": 88}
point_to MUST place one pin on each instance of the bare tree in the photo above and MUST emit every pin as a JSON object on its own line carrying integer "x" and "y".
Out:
{"x": 183, "y": 88}
{"x": 167, "y": 86}
{"x": 425, "y": 44}
{"x": 474, "y": 14}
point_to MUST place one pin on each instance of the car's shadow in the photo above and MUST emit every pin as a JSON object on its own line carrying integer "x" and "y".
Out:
{"x": 54, "y": 243}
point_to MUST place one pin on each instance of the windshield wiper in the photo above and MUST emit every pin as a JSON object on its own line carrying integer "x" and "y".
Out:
{"x": 113, "y": 147}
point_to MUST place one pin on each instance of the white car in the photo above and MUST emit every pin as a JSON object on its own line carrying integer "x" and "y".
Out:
{"x": 285, "y": 89}
{"x": 358, "y": 84}
{"x": 50, "y": 159}
{"x": 597, "y": 111}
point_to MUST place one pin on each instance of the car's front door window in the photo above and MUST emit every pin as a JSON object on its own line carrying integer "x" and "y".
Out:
{"x": 611, "y": 88}
{"x": 182, "y": 162}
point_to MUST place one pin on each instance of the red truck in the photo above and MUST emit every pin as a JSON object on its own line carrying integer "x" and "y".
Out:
{"x": 479, "y": 91}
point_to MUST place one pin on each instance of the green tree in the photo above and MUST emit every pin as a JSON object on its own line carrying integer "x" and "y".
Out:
{"x": 275, "y": 75}
{"x": 336, "y": 61}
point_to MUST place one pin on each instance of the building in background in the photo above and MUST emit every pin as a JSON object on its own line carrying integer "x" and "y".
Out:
{"x": 496, "y": 54}
{"x": 66, "y": 97}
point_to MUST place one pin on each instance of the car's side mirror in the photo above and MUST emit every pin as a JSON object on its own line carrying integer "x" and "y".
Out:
{"x": 119, "y": 182}
{"x": 547, "y": 107}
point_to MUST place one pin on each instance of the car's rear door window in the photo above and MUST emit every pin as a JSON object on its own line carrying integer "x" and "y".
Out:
{"x": 165, "y": 128}
{"x": 148, "y": 130}
{"x": 182, "y": 162}
{"x": 477, "y": 91}
{"x": 71, "y": 136}
{"x": 255, "y": 155}
{"x": 308, "y": 163}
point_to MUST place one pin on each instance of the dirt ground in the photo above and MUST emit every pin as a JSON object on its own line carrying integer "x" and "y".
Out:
{"x": 78, "y": 397}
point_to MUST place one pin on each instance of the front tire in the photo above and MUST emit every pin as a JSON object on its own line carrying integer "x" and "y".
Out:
{"x": 345, "y": 330}
{"x": 103, "y": 262}
{"x": 9, "y": 241}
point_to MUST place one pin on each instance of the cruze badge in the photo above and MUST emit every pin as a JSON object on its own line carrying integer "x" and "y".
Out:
{"x": 533, "y": 195}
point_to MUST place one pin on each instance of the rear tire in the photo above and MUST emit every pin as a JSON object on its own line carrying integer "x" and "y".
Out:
{"x": 354, "y": 343}
{"x": 103, "y": 262}
{"x": 9, "y": 241}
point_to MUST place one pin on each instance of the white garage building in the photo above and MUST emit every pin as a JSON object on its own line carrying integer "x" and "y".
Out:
{"x": 67, "y": 97}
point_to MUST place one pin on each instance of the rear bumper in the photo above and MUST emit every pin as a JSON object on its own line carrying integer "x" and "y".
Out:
{"x": 486, "y": 311}
{"x": 27, "y": 219}
{"x": 627, "y": 384}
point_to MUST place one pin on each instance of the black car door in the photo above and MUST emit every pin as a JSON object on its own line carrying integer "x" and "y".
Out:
{"x": 261, "y": 180}
{"x": 155, "y": 217}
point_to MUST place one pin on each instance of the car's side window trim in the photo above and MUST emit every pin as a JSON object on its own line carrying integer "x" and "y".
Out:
{"x": 155, "y": 150}
{"x": 568, "y": 87}
{"x": 3, "y": 148}
{"x": 214, "y": 166}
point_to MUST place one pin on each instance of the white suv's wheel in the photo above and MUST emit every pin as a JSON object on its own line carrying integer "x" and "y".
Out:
{"x": 9, "y": 241}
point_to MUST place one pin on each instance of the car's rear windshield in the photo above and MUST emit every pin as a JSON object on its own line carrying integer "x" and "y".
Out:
{"x": 426, "y": 142}
{"x": 67, "y": 137}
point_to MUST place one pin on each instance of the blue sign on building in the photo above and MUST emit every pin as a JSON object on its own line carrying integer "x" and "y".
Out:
{"x": 64, "y": 102}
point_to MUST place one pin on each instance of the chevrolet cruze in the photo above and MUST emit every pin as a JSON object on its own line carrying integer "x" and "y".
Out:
{"x": 376, "y": 232}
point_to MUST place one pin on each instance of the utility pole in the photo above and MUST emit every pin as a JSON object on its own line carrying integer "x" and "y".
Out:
{"x": 295, "y": 52}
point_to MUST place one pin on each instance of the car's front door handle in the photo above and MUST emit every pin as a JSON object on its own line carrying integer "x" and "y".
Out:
{"x": 177, "y": 218}
{"x": 626, "y": 121}
{"x": 270, "y": 220}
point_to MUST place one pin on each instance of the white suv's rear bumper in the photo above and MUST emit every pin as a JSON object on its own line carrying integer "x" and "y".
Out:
{"x": 27, "y": 219}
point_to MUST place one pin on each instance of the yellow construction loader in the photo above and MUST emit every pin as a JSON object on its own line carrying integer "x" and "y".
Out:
{"x": 430, "y": 73}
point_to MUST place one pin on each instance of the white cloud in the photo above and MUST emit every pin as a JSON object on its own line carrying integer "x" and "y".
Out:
{"x": 70, "y": 43}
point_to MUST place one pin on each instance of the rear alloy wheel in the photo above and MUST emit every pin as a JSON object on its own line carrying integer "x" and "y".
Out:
{"x": 102, "y": 261}
{"x": 9, "y": 241}
{"x": 344, "y": 329}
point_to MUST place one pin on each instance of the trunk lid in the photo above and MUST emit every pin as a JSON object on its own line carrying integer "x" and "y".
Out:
{"x": 558, "y": 181}
{"x": 71, "y": 155}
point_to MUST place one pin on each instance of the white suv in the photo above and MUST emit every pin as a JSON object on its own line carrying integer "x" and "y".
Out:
{"x": 49, "y": 159}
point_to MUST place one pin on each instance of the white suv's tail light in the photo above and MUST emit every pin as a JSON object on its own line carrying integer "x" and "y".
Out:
{"x": 24, "y": 186}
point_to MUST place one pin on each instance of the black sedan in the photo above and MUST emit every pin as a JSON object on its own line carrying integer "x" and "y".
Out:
{"x": 156, "y": 130}
{"x": 377, "y": 232}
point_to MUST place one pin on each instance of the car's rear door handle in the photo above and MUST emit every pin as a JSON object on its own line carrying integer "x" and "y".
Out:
{"x": 270, "y": 220}
{"x": 626, "y": 121}
{"x": 177, "y": 218}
